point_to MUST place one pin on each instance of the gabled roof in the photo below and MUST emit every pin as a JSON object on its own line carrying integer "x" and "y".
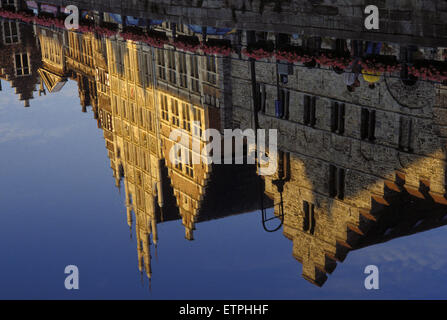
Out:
{"x": 53, "y": 82}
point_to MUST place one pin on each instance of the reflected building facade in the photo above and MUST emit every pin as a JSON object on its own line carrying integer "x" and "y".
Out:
{"x": 138, "y": 100}
{"x": 19, "y": 56}
{"x": 354, "y": 168}
{"x": 358, "y": 167}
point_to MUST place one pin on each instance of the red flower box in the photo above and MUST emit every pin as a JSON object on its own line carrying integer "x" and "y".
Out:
{"x": 259, "y": 50}
{"x": 187, "y": 43}
{"x": 293, "y": 54}
{"x": 429, "y": 70}
{"x": 381, "y": 64}
{"x": 217, "y": 46}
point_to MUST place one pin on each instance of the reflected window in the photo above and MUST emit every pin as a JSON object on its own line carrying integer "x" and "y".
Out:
{"x": 21, "y": 61}
{"x": 145, "y": 161}
{"x": 183, "y": 77}
{"x": 186, "y": 201}
{"x": 282, "y": 105}
{"x": 10, "y": 32}
{"x": 197, "y": 125}
{"x": 150, "y": 121}
{"x": 145, "y": 69}
{"x": 194, "y": 73}
{"x": 309, "y": 114}
{"x": 368, "y": 124}
{"x": 164, "y": 107}
{"x": 189, "y": 169}
{"x": 338, "y": 117}
{"x": 124, "y": 108}
{"x": 211, "y": 69}
{"x": 175, "y": 113}
{"x": 171, "y": 67}
{"x": 102, "y": 80}
{"x": 211, "y": 100}
{"x": 261, "y": 97}
{"x": 405, "y": 134}
{"x": 178, "y": 161}
{"x": 309, "y": 217}
{"x": 140, "y": 116}
{"x": 161, "y": 64}
{"x": 186, "y": 117}
{"x": 121, "y": 50}
{"x": 132, "y": 112}
{"x": 109, "y": 122}
{"x": 336, "y": 182}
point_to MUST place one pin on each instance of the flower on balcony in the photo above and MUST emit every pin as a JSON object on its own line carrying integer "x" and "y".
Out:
{"x": 330, "y": 59}
{"x": 87, "y": 26}
{"x": 381, "y": 64}
{"x": 217, "y": 46}
{"x": 187, "y": 43}
{"x": 105, "y": 31}
{"x": 23, "y": 15}
{"x": 259, "y": 50}
{"x": 293, "y": 54}
{"x": 133, "y": 34}
{"x": 156, "y": 39}
{"x": 152, "y": 38}
{"x": 49, "y": 21}
{"x": 9, "y": 14}
{"x": 429, "y": 70}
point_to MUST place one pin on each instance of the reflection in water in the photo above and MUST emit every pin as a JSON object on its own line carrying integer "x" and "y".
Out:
{"x": 361, "y": 134}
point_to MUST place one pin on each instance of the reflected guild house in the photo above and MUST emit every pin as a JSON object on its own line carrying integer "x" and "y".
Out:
{"x": 152, "y": 92}
{"x": 139, "y": 95}
{"x": 355, "y": 168}
{"x": 19, "y": 55}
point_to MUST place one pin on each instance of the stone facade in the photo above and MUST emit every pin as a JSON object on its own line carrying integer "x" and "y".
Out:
{"x": 404, "y": 158}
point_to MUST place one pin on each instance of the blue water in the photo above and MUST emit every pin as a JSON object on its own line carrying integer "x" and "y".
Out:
{"x": 59, "y": 206}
